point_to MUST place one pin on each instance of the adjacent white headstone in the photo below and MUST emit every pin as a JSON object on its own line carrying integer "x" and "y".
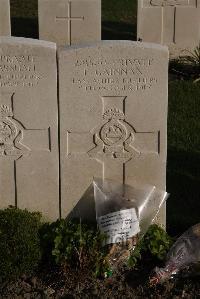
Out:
{"x": 28, "y": 126}
{"x": 70, "y": 22}
{"x": 113, "y": 116}
{"x": 5, "y": 17}
{"x": 175, "y": 23}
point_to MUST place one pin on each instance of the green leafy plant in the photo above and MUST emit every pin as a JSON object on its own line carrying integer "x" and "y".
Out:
{"x": 74, "y": 244}
{"x": 79, "y": 246}
{"x": 47, "y": 234}
{"x": 135, "y": 255}
{"x": 156, "y": 242}
{"x": 19, "y": 242}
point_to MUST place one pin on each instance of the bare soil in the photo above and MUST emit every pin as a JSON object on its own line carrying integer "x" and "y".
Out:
{"x": 53, "y": 283}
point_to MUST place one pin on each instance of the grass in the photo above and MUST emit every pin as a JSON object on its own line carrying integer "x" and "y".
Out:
{"x": 119, "y": 19}
{"x": 183, "y": 174}
{"x": 183, "y": 171}
{"x": 184, "y": 113}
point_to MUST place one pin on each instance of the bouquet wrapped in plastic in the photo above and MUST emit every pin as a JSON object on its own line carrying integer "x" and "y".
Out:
{"x": 124, "y": 214}
{"x": 184, "y": 253}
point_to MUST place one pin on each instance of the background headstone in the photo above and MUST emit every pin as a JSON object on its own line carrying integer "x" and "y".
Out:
{"x": 28, "y": 125}
{"x": 113, "y": 116}
{"x": 70, "y": 22}
{"x": 5, "y": 17}
{"x": 175, "y": 23}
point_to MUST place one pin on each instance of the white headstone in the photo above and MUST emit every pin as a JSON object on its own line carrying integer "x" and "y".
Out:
{"x": 70, "y": 22}
{"x": 175, "y": 23}
{"x": 113, "y": 116}
{"x": 28, "y": 125}
{"x": 5, "y": 17}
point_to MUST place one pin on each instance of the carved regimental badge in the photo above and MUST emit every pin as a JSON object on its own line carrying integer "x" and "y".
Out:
{"x": 11, "y": 134}
{"x": 114, "y": 138}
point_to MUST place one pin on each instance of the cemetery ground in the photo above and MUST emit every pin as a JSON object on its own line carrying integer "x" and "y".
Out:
{"x": 183, "y": 178}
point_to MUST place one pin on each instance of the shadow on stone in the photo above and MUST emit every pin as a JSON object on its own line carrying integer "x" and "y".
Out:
{"x": 85, "y": 208}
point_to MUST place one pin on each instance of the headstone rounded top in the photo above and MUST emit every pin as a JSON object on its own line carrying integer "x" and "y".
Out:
{"x": 116, "y": 44}
{"x": 26, "y": 41}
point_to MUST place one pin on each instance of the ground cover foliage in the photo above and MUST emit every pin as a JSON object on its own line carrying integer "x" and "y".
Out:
{"x": 70, "y": 262}
{"x": 26, "y": 242}
{"x": 183, "y": 181}
{"x": 19, "y": 243}
{"x": 31, "y": 250}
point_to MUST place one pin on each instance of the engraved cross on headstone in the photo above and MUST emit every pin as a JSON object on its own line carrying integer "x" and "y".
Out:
{"x": 16, "y": 142}
{"x": 166, "y": 4}
{"x": 69, "y": 20}
{"x": 114, "y": 142}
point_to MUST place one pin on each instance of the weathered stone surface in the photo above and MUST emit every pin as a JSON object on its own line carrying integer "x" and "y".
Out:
{"x": 175, "y": 23}
{"x": 70, "y": 22}
{"x": 28, "y": 125}
{"x": 5, "y": 17}
{"x": 113, "y": 116}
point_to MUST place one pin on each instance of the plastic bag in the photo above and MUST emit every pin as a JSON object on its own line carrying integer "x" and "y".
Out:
{"x": 124, "y": 214}
{"x": 184, "y": 253}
